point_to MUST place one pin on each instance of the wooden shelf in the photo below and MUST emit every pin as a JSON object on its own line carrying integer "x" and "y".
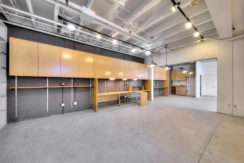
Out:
{"x": 43, "y": 87}
{"x": 159, "y": 87}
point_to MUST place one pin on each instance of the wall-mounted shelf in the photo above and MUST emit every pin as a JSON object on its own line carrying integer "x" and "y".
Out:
{"x": 160, "y": 87}
{"x": 43, "y": 87}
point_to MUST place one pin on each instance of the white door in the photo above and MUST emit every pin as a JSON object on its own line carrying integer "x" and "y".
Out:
{"x": 238, "y": 77}
{"x": 191, "y": 86}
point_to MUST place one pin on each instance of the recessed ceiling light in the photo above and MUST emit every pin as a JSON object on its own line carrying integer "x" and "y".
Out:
{"x": 115, "y": 42}
{"x": 98, "y": 36}
{"x": 148, "y": 52}
{"x": 71, "y": 27}
{"x": 188, "y": 25}
{"x": 196, "y": 34}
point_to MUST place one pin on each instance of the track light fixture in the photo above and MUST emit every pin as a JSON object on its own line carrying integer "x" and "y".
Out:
{"x": 133, "y": 50}
{"x": 188, "y": 24}
{"x": 196, "y": 34}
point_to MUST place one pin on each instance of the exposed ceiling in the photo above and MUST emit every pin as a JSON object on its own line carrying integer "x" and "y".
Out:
{"x": 144, "y": 25}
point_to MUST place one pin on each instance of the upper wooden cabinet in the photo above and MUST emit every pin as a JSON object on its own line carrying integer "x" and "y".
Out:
{"x": 76, "y": 64}
{"x": 49, "y": 60}
{"x": 107, "y": 67}
{"x": 23, "y": 58}
{"x": 159, "y": 73}
{"x": 135, "y": 70}
{"x": 178, "y": 75}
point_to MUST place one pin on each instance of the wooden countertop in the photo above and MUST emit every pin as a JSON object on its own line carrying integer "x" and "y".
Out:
{"x": 119, "y": 92}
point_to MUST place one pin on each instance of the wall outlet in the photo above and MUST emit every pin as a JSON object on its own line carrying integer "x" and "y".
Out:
{"x": 75, "y": 103}
{"x": 63, "y": 105}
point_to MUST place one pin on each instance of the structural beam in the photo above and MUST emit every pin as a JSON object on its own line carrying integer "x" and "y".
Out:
{"x": 220, "y": 11}
{"x": 30, "y": 8}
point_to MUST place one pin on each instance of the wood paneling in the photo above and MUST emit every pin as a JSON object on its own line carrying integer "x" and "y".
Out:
{"x": 76, "y": 64}
{"x": 135, "y": 70}
{"x": 106, "y": 67}
{"x": 177, "y": 75}
{"x": 23, "y": 59}
{"x": 159, "y": 73}
{"x": 49, "y": 60}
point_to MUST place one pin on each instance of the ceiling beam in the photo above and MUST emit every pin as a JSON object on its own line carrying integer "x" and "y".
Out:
{"x": 220, "y": 11}
{"x": 30, "y": 8}
{"x": 135, "y": 15}
{"x": 90, "y": 4}
{"x": 178, "y": 23}
{"x": 162, "y": 40}
{"x": 162, "y": 18}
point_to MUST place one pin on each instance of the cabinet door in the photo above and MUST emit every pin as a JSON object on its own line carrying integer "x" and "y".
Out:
{"x": 106, "y": 67}
{"x": 177, "y": 75}
{"x": 238, "y": 77}
{"x": 76, "y": 64}
{"x": 23, "y": 59}
{"x": 130, "y": 70}
{"x": 49, "y": 60}
{"x": 84, "y": 63}
{"x": 159, "y": 73}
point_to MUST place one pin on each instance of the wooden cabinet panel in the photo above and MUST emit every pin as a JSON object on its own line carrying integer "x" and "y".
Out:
{"x": 49, "y": 60}
{"x": 23, "y": 59}
{"x": 76, "y": 64}
{"x": 159, "y": 73}
{"x": 177, "y": 75}
{"x": 135, "y": 70}
{"x": 106, "y": 67}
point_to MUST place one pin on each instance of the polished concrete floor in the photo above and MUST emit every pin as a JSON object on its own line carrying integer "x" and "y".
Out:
{"x": 157, "y": 133}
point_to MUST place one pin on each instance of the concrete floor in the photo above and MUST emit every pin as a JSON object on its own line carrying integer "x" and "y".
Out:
{"x": 128, "y": 134}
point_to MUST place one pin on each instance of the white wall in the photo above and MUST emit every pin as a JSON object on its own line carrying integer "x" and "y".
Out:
{"x": 3, "y": 75}
{"x": 222, "y": 50}
{"x": 198, "y": 73}
{"x": 209, "y": 78}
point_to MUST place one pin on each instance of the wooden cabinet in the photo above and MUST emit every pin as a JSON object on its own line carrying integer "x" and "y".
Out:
{"x": 76, "y": 64}
{"x": 135, "y": 70}
{"x": 107, "y": 67}
{"x": 177, "y": 75}
{"x": 179, "y": 90}
{"x": 49, "y": 60}
{"x": 159, "y": 73}
{"x": 23, "y": 58}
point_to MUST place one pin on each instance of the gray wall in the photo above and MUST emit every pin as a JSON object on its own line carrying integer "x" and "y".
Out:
{"x": 32, "y": 103}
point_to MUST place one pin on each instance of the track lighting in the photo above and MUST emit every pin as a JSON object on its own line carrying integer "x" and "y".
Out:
{"x": 124, "y": 79}
{"x": 115, "y": 42}
{"x": 148, "y": 52}
{"x": 111, "y": 78}
{"x": 71, "y": 27}
{"x": 196, "y": 34}
{"x": 173, "y": 8}
{"x": 188, "y": 25}
{"x": 133, "y": 50}
{"x": 98, "y": 36}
